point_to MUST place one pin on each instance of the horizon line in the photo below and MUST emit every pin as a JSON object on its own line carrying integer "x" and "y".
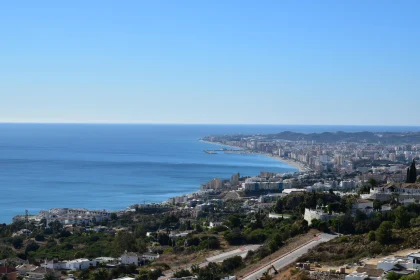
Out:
{"x": 168, "y": 123}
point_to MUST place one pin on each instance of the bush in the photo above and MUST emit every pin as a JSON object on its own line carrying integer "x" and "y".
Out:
{"x": 39, "y": 237}
{"x": 17, "y": 242}
{"x": 182, "y": 273}
{"x": 31, "y": 247}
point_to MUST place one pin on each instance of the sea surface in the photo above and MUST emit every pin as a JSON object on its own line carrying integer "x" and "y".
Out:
{"x": 99, "y": 166}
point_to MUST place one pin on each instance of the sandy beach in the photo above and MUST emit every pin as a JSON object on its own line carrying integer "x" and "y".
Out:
{"x": 298, "y": 165}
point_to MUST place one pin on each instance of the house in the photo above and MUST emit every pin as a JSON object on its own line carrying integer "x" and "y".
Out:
{"x": 319, "y": 214}
{"x": 9, "y": 272}
{"x": 25, "y": 268}
{"x": 390, "y": 263}
{"x": 150, "y": 256}
{"x": 130, "y": 258}
{"x": 78, "y": 264}
{"x": 40, "y": 272}
{"x": 365, "y": 272}
{"x": 215, "y": 224}
{"x": 414, "y": 259}
{"x": 363, "y": 205}
{"x": 53, "y": 264}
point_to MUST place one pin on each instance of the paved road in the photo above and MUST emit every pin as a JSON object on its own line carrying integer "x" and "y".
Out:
{"x": 243, "y": 251}
{"x": 238, "y": 252}
{"x": 290, "y": 257}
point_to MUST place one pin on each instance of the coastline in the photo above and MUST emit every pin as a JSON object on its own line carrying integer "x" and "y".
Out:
{"x": 298, "y": 165}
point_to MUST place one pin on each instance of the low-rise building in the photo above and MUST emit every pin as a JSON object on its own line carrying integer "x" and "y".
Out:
{"x": 319, "y": 214}
{"x": 9, "y": 272}
{"x": 130, "y": 258}
{"x": 215, "y": 224}
{"x": 363, "y": 273}
{"x": 150, "y": 256}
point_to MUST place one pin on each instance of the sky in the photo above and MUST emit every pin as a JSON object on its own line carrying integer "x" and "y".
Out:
{"x": 221, "y": 62}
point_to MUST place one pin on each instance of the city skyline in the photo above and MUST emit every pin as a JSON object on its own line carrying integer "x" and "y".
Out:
{"x": 236, "y": 62}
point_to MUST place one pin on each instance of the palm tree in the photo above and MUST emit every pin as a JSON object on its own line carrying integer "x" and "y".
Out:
{"x": 195, "y": 268}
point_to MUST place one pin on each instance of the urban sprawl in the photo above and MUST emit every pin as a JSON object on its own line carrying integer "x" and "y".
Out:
{"x": 351, "y": 211}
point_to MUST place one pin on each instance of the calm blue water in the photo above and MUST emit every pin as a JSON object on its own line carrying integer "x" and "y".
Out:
{"x": 112, "y": 166}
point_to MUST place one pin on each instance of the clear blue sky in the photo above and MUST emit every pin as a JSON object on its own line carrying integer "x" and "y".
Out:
{"x": 271, "y": 62}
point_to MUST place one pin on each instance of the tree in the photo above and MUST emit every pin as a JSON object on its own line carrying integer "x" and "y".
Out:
{"x": 372, "y": 236}
{"x": 50, "y": 276}
{"x": 373, "y": 183}
{"x": 17, "y": 242}
{"x": 195, "y": 268}
{"x": 392, "y": 276}
{"x": 182, "y": 273}
{"x": 407, "y": 178}
{"x": 402, "y": 217}
{"x": 384, "y": 233}
{"x": 279, "y": 206}
{"x": 377, "y": 205}
{"x": 101, "y": 274}
{"x": 411, "y": 173}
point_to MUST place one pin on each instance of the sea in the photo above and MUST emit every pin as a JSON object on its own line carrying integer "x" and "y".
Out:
{"x": 112, "y": 166}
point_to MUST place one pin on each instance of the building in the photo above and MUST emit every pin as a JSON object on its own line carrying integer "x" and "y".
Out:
{"x": 363, "y": 205}
{"x": 214, "y": 184}
{"x": 263, "y": 184}
{"x": 393, "y": 189}
{"x": 9, "y": 272}
{"x": 40, "y": 272}
{"x": 414, "y": 258}
{"x": 366, "y": 272}
{"x": 318, "y": 214}
{"x": 234, "y": 179}
{"x": 77, "y": 264}
{"x": 131, "y": 258}
{"x": 25, "y": 268}
{"x": 150, "y": 256}
{"x": 215, "y": 224}
{"x": 389, "y": 263}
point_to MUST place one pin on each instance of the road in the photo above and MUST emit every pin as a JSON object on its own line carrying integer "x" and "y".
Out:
{"x": 242, "y": 251}
{"x": 290, "y": 257}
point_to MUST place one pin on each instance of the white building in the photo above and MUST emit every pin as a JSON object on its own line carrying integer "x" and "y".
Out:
{"x": 215, "y": 224}
{"x": 363, "y": 273}
{"x": 319, "y": 214}
{"x": 387, "y": 264}
{"x": 414, "y": 258}
{"x": 150, "y": 256}
{"x": 130, "y": 258}
{"x": 79, "y": 264}
{"x": 363, "y": 205}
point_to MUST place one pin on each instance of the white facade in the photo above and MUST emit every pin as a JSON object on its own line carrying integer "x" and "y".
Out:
{"x": 215, "y": 224}
{"x": 388, "y": 264}
{"x": 130, "y": 258}
{"x": 360, "y": 276}
{"x": 150, "y": 256}
{"x": 318, "y": 214}
{"x": 78, "y": 264}
{"x": 414, "y": 260}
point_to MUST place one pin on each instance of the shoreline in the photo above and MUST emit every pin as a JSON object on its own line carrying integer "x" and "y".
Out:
{"x": 298, "y": 165}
